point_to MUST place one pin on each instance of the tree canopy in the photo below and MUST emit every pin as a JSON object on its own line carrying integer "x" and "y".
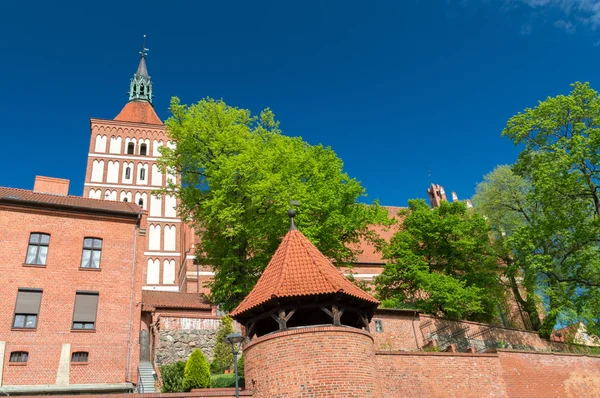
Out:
{"x": 238, "y": 176}
{"x": 441, "y": 261}
{"x": 551, "y": 220}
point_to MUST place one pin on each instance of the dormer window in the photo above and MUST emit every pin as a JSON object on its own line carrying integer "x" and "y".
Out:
{"x": 130, "y": 148}
{"x": 143, "y": 149}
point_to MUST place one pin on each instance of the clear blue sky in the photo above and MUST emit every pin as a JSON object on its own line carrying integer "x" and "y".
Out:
{"x": 396, "y": 88}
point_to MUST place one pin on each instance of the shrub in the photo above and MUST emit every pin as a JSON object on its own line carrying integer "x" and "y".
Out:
{"x": 241, "y": 367}
{"x": 172, "y": 376}
{"x": 222, "y": 381}
{"x": 222, "y": 356}
{"x": 197, "y": 372}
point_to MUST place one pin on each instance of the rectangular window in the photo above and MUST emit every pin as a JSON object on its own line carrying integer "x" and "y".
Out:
{"x": 80, "y": 356}
{"x": 18, "y": 356}
{"x": 378, "y": 326}
{"x": 86, "y": 307}
{"x": 27, "y": 308}
{"x": 37, "y": 251}
{"x": 92, "y": 249}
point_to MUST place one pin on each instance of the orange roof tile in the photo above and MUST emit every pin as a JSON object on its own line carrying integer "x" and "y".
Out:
{"x": 152, "y": 299}
{"x": 138, "y": 112}
{"x": 298, "y": 268}
{"x": 38, "y": 199}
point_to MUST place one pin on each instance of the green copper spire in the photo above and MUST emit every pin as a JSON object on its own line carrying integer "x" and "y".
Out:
{"x": 140, "y": 88}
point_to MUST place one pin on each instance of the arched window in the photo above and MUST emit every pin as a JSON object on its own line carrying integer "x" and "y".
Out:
{"x": 128, "y": 172}
{"x": 142, "y": 174}
{"x": 130, "y": 148}
{"x": 143, "y": 149}
{"x": 141, "y": 202}
{"x": 142, "y": 89}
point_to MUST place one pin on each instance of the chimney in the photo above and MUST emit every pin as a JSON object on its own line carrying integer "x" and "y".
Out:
{"x": 54, "y": 186}
{"x": 454, "y": 197}
{"x": 436, "y": 194}
{"x": 469, "y": 204}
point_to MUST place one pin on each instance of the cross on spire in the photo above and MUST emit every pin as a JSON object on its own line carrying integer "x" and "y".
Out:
{"x": 145, "y": 50}
{"x": 140, "y": 88}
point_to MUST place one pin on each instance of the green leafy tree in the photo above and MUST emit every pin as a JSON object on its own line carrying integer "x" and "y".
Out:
{"x": 442, "y": 262}
{"x": 561, "y": 162}
{"x": 172, "y": 376}
{"x": 197, "y": 372}
{"x": 238, "y": 176}
{"x": 222, "y": 355}
{"x": 505, "y": 199}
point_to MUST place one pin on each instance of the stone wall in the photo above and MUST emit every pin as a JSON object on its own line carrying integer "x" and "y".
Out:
{"x": 177, "y": 345}
{"x": 178, "y": 336}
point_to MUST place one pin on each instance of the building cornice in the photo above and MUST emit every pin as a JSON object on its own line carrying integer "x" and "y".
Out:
{"x": 120, "y": 123}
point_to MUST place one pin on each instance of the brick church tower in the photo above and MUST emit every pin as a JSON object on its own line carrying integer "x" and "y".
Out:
{"x": 122, "y": 166}
{"x": 307, "y": 328}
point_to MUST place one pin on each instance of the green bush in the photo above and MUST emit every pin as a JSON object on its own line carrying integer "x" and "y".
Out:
{"x": 222, "y": 355}
{"x": 241, "y": 367}
{"x": 197, "y": 371}
{"x": 172, "y": 376}
{"x": 225, "y": 380}
{"x": 222, "y": 381}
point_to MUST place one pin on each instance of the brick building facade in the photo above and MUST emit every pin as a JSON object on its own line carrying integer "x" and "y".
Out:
{"x": 70, "y": 281}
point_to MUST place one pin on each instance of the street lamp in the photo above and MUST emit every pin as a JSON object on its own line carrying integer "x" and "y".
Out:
{"x": 235, "y": 341}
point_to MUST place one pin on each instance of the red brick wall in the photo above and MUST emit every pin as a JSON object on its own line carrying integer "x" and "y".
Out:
{"x": 312, "y": 362}
{"x": 550, "y": 375}
{"x": 57, "y": 186}
{"x": 428, "y": 374}
{"x": 400, "y": 331}
{"x": 60, "y": 279}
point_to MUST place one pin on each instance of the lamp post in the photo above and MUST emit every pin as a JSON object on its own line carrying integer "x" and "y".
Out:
{"x": 235, "y": 341}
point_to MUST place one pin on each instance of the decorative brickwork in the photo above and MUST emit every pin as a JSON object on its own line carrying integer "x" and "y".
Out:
{"x": 312, "y": 362}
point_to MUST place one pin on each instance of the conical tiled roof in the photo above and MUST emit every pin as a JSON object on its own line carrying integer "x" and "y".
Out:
{"x": 139, "y": 112}
{"x": 298, "y": 268}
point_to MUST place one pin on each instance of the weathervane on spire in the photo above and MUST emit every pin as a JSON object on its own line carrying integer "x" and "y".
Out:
{"x": 145, "y": 50}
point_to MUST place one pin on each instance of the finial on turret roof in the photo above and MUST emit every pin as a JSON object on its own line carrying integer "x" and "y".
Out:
{"x": 292, "y": 214}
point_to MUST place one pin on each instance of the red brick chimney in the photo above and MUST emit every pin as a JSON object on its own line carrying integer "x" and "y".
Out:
{"x": 55, "y": 186}
{"x": 436, "y": 194}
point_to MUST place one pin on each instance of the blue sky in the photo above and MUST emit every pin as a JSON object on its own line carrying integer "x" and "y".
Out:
{"x": 396, "y": 88}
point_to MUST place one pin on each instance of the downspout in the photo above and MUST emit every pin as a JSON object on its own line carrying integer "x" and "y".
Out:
{"x": 129, "y": 346}
{"x": 415, "y": 331}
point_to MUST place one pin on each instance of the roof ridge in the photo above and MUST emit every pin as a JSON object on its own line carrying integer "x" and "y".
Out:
{"x": 286, "y": 249}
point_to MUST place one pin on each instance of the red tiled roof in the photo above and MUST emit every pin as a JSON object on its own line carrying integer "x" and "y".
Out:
{"x": 369, "y": 254}
{"x": 138, "y": 112}
{"x": 298, "y": 268}
{"x": 156, "y": 299}
{"x": 38, "y": 199}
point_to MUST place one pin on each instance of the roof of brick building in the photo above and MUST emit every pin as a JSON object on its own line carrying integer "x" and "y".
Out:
{"x": 297, "y": 269}
{"x": 156, "y": 299}
{"x": 38, "y": 199}
{"x": 138, "y": 112}
{"x": 369, "y": 254}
